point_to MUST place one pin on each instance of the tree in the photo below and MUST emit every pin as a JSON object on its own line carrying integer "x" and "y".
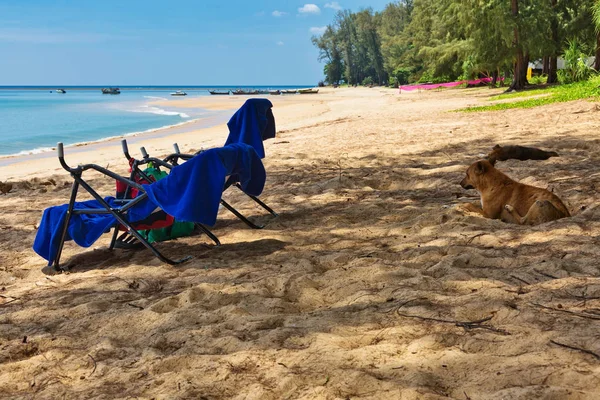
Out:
{"x": 329, "y": 51}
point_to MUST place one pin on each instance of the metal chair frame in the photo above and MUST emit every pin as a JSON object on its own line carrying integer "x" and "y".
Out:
{"x": 120, "y": 213}
{"x": 172, "y": 161}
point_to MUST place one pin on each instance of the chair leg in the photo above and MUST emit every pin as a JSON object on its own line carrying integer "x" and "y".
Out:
{"x": 63, "y": 236}
{"x": 240, "y": 216}
{"x": 114, "y": 238}
{"x": 208, "y": 233}
{"x": 123, "y": 221}
{"x": 258, "y": 201}
{"x": 153, "y": 249}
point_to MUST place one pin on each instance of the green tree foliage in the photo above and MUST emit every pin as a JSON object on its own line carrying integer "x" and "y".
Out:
{"x": 431, "y": 40}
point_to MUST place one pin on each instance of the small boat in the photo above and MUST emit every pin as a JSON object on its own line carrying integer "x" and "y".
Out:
{"x": 179, "y": 93}
{"x": 275, "y": 92}
{"x": 289, "y": 91}
{"x": 219, "y": 92}
{"x": 262, "y": 91}
{"x": 308, "y": 91}
{"x": 60, "y": 91}
{"x": 244, "y": 92}
{"x": 111, "y": 90}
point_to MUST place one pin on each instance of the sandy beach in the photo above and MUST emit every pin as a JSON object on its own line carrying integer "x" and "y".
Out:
{"x": 369, "y": 284}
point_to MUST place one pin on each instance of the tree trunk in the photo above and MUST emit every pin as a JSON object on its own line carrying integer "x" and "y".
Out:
{"x": 553, "y": 67}
{"x": 545, "y": 65}
{"x": 525, "y": 68}
{"x": 494, "y": 77}
{"x": 552, "y": 70}
{"x": 518, "y": 82}
{"x": 597, "y": 61}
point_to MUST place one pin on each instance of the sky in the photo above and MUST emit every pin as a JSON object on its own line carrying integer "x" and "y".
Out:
{"x": 164, "y": 42}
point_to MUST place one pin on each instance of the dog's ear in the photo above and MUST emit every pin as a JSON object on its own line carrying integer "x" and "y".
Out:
{"x": 496, "y": 147}
{"x": 492, "y": 160}
{"x": 480, "y": 167}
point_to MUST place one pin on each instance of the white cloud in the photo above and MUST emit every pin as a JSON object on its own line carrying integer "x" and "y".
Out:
{"x": 318, "y": 30}
{"x": 280, "y": 43}
{"x": 278, "y": 13}
{"x": 333, "y": 5}
{"x": 309, "y": 9}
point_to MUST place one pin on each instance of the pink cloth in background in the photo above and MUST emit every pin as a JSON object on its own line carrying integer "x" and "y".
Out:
{"x": 428, "y": 86}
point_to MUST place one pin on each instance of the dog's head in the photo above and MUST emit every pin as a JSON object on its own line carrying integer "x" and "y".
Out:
{"x": 493, "y": 156}
{"x": 475, "y": 174}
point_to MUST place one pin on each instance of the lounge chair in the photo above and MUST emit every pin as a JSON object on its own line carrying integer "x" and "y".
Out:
{"x": 252, "y": 124}
{"x": 174, "y": 159}
{"x": 191, "y": 192}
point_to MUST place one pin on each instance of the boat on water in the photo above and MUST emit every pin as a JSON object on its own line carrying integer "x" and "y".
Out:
{"x": 111, "y": 90}
{"x": 179, "y": 93}
{"x": 275, "y": 92}
{"x": 219, "y": 92}
{"x": 308, "y": 91}
{"x": 61, "y": 91}
{"x": 244, "y": 92}
{"x": 289, "y": 91}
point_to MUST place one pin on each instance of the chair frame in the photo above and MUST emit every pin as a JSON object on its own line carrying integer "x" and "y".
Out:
{"x": 120, "y": 214}
{"x": 172, "y": 161}
{"x": 136, "y": 171}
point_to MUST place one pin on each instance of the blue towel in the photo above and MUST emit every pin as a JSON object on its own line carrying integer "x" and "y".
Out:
{"x": 252, "y": 124}
{"x": 192, "y": 191}
{"x": 85, "y": 229}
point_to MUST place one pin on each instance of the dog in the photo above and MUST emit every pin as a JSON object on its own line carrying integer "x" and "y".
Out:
{"x": 511, "y": 201}
{"x": 503, "y": 153}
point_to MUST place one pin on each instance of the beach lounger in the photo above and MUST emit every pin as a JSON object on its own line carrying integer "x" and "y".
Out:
{"x": 138, "y": 175}
{"x": 191, "y": 192}
{"x": 174, "y": 159}
{"x": 252, "y": 124}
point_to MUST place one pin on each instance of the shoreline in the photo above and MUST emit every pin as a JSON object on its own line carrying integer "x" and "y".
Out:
{"x": 292, "y": 112}
{"x": 43, "y": 150}
{"x": 133, "y": 137}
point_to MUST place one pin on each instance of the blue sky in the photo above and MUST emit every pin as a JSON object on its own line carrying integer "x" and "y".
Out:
{"x": 163, "y": 42}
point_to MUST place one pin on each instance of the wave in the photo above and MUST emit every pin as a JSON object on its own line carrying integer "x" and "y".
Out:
{"x": 160, "y": 111}
{"x": 156, "y": 98}
{"x": 41, "y": 150}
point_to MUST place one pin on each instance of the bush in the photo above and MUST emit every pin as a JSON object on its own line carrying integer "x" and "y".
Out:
{"x": 367, "y": 81}
{"x": 538, "y": 79}
{"x": 401, "y": 75}
{"x": 468, "y": 69}
{"x": 576, "y": 69}
{"x": 427, "y": 77}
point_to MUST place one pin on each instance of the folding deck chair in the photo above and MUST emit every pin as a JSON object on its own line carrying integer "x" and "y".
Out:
{"x": 124, "y": 191}
{"x": 172, "y": 160}
{"x": 187, "y": 193}
{"x": 120, "y": 209}
{"x": 252, "y": 124}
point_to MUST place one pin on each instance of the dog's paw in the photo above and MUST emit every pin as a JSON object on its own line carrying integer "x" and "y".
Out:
{"x": 509, "y": 208}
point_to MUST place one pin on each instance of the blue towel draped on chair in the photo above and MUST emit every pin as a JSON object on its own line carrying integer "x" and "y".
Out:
{"x": 191, "y": 192}
{"x": 252, "y": 124}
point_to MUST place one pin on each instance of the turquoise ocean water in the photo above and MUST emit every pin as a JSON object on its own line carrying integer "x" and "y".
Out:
{"x": 34, "y": 121}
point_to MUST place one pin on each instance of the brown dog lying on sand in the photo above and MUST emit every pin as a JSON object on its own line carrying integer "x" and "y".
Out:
{"x": 502, "y": 198}
{"x": 503, "y": 153}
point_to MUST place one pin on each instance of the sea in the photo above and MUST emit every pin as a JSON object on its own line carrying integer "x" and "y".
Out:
{"x": 34, "y": 119}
